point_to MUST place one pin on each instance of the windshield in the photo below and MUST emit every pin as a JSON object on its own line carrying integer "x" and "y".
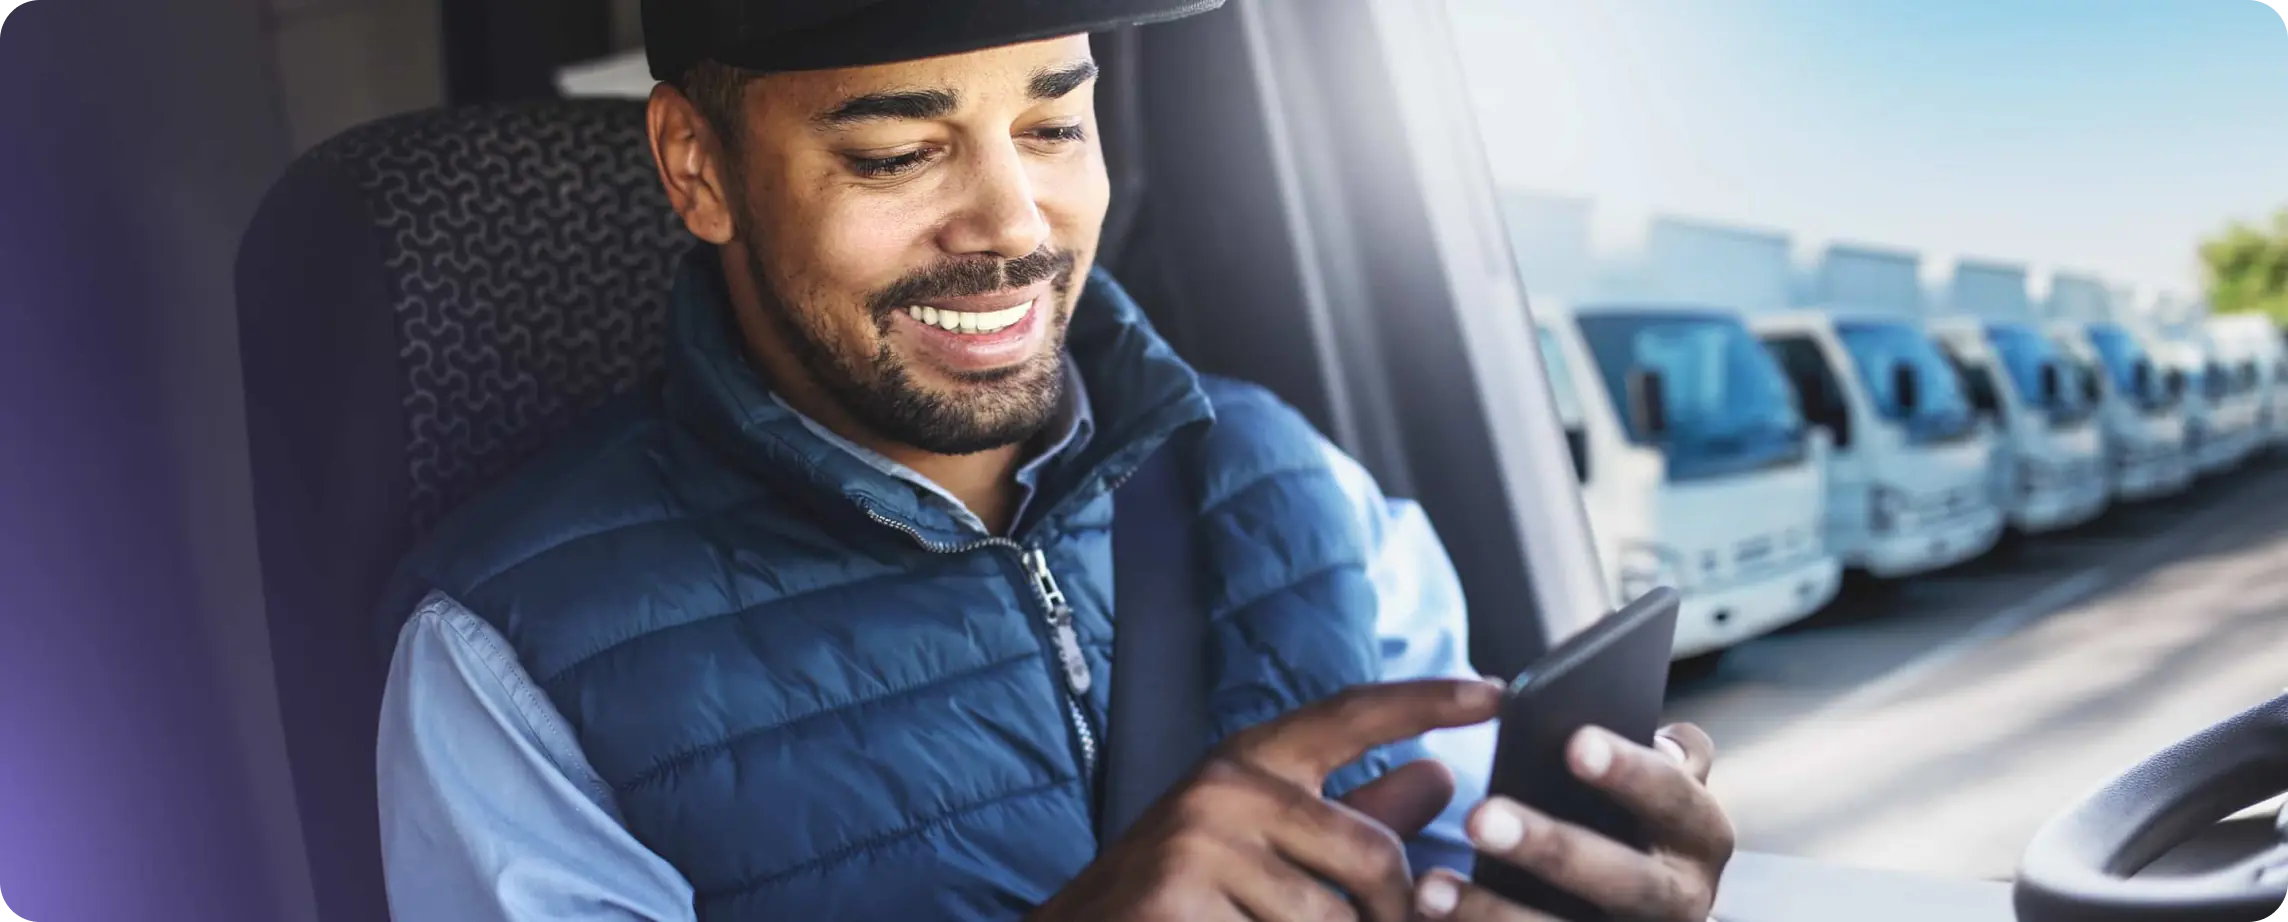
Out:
{"x": 2120, "y": 352}
{"x": 2025, "y": 352}
{"x": 1686, "y": 152}
{"x": 1877, "y": 346}
{"x": 2243, "y": 377}
{"x": 2123, "y": 353}
{"x": 2083, "y": 374}
{"x": 1728, "y": 407}
{"x": 2214, "y": 380}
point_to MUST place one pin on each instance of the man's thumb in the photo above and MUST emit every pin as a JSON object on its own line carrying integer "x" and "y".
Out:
{"x": 1406, "y": 798}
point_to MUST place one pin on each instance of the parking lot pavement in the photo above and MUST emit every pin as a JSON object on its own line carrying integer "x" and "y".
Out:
{"x": 1933, "y": 727}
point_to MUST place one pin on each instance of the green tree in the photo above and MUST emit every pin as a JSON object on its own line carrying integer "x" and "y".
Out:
{"x": 2247, "y": 268}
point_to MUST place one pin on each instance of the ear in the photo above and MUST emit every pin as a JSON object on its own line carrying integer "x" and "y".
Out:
{"x": 691, "y": 165}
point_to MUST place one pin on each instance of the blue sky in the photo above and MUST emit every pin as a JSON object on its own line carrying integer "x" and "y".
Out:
{"x": 2093, "y": 135}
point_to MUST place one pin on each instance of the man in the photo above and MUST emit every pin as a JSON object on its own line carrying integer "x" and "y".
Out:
{"x": 821, "y": 630}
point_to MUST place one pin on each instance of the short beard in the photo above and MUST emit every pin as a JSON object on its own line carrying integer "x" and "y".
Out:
{"x": 988, "y": 410}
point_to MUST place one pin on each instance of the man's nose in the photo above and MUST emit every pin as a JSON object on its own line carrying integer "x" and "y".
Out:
{"x": 1000, "y": 214}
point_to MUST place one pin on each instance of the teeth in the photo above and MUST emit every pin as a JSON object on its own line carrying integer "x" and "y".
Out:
{"x": 970, "y": 322}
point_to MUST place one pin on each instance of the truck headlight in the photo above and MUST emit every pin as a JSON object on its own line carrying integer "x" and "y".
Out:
{"x": 1646, "y": 567}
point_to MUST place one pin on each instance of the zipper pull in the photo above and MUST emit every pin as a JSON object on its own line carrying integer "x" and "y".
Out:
{"x": 1060, "y": 617}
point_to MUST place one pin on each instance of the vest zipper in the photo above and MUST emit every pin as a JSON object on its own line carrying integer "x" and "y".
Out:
{"x": 1072, "y": 666}
{"x": 1076, "y": 674}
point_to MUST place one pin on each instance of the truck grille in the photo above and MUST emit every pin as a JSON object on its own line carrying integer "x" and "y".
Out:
{"x": 1758, "y": 554}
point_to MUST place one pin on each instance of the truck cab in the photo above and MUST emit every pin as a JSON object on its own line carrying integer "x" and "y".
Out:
{"x": 1907, "y": 480}
{"x": 1697, "y": 469}
{"x": 2049, "y": 474}
{"x": 2140, "y": 406}
{"x": 2222, "y": 404}
{"x": 2142, "y": 415}
{"x": 2255, "y": 345}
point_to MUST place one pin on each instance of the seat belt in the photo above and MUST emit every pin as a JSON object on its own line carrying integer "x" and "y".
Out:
{"x": 1158, "y": 725}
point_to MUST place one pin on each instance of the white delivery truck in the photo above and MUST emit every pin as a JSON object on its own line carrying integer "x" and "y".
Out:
{"x": 1697, "y": 471}
{"x": 2222, "y": 402}
{"x": 1907, "y": 488}
{"x": 2140, "y": 406}
{"x": 2050, "y": 472}
{"x": 2253, "y": 342}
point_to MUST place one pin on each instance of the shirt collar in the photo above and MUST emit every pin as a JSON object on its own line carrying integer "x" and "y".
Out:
{"x": 1069, "y": 428}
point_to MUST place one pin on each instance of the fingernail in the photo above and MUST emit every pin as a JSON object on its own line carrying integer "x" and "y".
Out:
{"x": 1437, "y": 897}
{"x": 1674, "y": 749}
{"x": 1480, "y": 694}
{"x": 1498, "y": 826}
{"x": 1595, "y": 753}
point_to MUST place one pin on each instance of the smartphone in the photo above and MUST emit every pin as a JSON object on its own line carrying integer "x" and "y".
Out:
{"x": 1613, "y": 675}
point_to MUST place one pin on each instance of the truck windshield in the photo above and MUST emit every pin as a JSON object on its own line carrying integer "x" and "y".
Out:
{"x": 2122, "y": 353}
{"x": 1729, "y": 408}
{"x": 2083, "y": 376}
{"x": 1942, "y": 411}
{"x": 2025, "y": 352}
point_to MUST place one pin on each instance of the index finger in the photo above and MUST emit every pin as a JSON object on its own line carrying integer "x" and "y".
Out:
{"x": 1699, "y": 751}
{"x": 1314, "y": 740}
{"x": 1678, "y": 812}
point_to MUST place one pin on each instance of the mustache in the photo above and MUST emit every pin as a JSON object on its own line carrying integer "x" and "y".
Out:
{"x": 963, "y": 277}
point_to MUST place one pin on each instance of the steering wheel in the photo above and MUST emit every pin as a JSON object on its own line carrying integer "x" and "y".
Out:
{"x": 2082, "y": 865}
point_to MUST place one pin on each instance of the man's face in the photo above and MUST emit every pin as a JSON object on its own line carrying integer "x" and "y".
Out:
{"x": 914, "y": 237}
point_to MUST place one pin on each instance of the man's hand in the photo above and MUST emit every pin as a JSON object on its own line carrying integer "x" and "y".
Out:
{"x": 1691, "y": 838}
{"x": 1248, "y": 836}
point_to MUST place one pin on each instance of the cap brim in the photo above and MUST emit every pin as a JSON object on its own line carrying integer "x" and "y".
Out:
{"x": 909, "y": 30}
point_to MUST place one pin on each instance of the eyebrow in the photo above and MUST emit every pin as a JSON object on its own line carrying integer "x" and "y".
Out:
{"x": 896, "y": 105}
{"x": 1054, "y": 84}
{"x": 922, "y": 105}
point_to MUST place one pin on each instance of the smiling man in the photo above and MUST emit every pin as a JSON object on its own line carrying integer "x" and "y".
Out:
{"x": 821, "y": 629}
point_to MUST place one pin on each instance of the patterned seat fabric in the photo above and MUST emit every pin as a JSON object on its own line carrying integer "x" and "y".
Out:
{"x": 532, "y": 248}
{"x": 424, "y": 302}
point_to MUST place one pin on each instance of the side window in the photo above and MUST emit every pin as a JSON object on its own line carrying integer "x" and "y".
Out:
{"x": 1807, "y": 368}
{"x": 1978, "y": 382}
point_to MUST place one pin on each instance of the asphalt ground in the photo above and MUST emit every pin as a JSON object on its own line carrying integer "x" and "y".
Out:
{"x": 1934, "y": 724}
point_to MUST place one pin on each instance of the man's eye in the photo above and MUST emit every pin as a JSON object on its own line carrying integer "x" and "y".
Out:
{"x": 878, "y": 167}
{"x": 1062, "y": 134}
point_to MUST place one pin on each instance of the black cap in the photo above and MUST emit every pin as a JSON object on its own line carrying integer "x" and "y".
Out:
{"x": 778, "y": 35}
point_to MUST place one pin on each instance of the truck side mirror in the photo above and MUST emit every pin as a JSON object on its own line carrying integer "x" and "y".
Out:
{"x": 2053, "y": 385}
{"x": 2141, "y": 379}
{"x": 1648, "y": 402}
{"x": 2177, "y": 384}
{"x": 2092, "y": 390}
{"x": 1907, "y": 386}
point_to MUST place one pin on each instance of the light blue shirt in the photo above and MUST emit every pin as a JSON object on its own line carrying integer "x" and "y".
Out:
{"x": 491, "y": 813}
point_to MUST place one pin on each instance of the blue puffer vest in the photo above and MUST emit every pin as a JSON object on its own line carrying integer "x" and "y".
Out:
{"x": 818, "y": 695}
